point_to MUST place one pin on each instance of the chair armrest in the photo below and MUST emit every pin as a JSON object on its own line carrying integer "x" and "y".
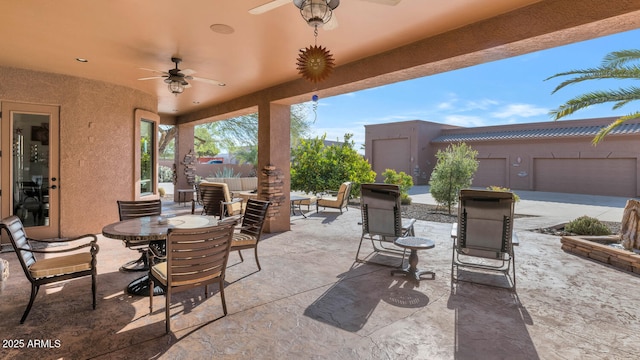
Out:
{"x": 233, "y": 219}
{"x": 153, "y": 254}
{"x": 93, "y": 244}
{"x": 514, "y": 239}
{"x": 54, "y": 241}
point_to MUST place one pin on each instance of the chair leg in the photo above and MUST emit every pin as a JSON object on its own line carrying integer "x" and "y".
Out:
{"x": 240, "y": 253}
{"x": 224, "y": 304}
{"x": 151, "y": 286}
{"x": 34, "y": 291}
{"x": 93, "y": 286}
{"x": 257, "y": 261}
{"x": 358, "y": 252}
{"x": 167, "y": 313}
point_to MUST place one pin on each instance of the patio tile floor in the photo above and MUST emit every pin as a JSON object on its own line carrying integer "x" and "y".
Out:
{"x": 311, "y": 301}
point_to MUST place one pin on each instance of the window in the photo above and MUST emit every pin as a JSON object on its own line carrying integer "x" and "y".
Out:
{"x": 145, "y": 148}
{"x": 147, "y": 156}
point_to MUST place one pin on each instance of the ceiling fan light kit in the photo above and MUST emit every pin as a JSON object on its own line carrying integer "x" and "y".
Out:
{"x": 316, "y": 12}
{"x": 176, "y": 79}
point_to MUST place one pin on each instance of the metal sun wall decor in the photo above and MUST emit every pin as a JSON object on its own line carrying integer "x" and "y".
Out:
{"x": 315, "y": 63}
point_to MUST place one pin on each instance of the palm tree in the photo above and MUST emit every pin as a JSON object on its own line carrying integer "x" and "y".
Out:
{"x": 616, "y": 65}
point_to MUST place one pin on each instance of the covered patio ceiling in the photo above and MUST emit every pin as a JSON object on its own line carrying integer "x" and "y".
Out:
{"x": 255, "y": 55}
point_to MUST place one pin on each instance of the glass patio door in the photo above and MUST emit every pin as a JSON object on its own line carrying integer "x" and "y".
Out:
{"x": 30, "y": 167}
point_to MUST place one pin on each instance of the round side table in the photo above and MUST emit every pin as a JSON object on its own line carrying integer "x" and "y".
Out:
{"x": 414, "y": 244}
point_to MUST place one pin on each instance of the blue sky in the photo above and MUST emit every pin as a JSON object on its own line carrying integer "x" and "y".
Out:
{"x": 502, "y": 92}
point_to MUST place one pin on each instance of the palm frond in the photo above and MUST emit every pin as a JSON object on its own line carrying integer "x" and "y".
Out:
{"x": 607, "y": 129}
{"x": 593, "y": 98}
{"x": 621, "y": 73}
{"x": 618, "y": 58}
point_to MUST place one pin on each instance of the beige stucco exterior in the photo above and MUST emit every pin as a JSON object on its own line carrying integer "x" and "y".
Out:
{"x": 543, "y": 162}
{"x": 96, "y": 141}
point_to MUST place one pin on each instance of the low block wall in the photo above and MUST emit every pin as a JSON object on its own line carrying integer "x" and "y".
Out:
{"x": 594, "y": 247}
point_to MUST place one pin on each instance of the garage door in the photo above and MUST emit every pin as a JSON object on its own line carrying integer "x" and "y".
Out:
{"x": 611, "y": 177}
{"x": 391, "y": 154}
{"x": 491, "y": 172}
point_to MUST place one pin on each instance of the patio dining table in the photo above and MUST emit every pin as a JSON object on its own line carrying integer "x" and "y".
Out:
{"x": 144, "y": 230}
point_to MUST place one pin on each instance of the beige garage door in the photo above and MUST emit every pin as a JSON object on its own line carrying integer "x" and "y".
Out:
{"x": 491, "y": 172}
{"x": 391, "y": 154}
{"x": 612, "y": 177}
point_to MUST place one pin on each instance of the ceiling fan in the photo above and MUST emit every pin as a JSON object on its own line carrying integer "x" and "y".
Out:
{"x": 277, "y": 3}
{"x": 177, "y": 79}
{"x": 331, "y": 24}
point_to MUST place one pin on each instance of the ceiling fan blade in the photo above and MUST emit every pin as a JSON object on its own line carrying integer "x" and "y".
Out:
{"x": 208, "y": 81}
{"x": 152, "y": 77}
{"x": 332, "y": 23}
{"x": 268, "y": 6}
{"x": 385, "y": 2}
{"x": 187, "y": 72}
{"x": 155, "y": 71}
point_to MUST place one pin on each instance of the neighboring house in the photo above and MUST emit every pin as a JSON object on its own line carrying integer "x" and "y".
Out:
{"x": 547, "y": 156}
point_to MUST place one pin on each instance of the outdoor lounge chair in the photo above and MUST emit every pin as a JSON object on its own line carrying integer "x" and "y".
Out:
{"x": 483, "y": 237}
{"x": 135, "y": 209}
{"x": 195, "y": 257}
{"x": 382, "y": 221}
{"x": 51, "y": 269}
{"x": 216, "y": 200}
{"x": 339, "y": 201}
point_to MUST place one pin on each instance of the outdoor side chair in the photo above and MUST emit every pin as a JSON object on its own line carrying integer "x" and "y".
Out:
{"x": 135, "y": 209}
{"x": 194, "y": 258}
{"x": 483, "y": 237}
{"x": 51, "y": 269}
{"x": 251, "y": 229}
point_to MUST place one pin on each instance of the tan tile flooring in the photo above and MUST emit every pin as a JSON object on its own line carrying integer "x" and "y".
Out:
{"x": 311, "y": 301}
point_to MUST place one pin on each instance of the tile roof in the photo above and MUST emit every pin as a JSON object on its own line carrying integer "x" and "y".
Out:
{"x": 624, "y": 129}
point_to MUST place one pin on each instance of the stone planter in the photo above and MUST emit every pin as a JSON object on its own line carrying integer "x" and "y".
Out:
{"x": 597, "y": 248}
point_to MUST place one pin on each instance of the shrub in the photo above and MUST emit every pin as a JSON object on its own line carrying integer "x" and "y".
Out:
{"x": 316, "y": 167}
{"x": 586, "y": 225}
{"x": 404, "y": 181}
{"x": 161, "y": 191}
{"x": 454, "y": 171}
{"x": 226, "y": 173}
{"x": 516, "y": 198}
{"x": 165, "y": 174}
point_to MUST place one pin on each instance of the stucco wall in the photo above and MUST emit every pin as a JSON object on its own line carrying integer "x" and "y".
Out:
{"x": 558, "y": 164}
{"x": 96, "y": 141}
{"x": 417, "y": 133}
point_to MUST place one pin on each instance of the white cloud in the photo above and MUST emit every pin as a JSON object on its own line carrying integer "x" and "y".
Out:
{"x": 464, "y": 120}
{"x": 483, "y": 104}
{"x": 519, "y": 110}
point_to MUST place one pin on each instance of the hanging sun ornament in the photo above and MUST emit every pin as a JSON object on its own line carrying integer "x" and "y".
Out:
{"x": 315, "y": 63}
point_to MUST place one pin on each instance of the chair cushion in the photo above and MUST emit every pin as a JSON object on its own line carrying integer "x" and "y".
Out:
{"x": 234, "y": 184}
{"x": 249, "y": 183}
{"x": 241, "y": 239}
{"x": 61, "y": 265}
{"x": 329, "y": 201}
{"x": 159, "y": 271}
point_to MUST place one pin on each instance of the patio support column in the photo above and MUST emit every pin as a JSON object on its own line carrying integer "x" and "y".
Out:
{"x": 183, "y": 145}
{"x": 274, "y": 152}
